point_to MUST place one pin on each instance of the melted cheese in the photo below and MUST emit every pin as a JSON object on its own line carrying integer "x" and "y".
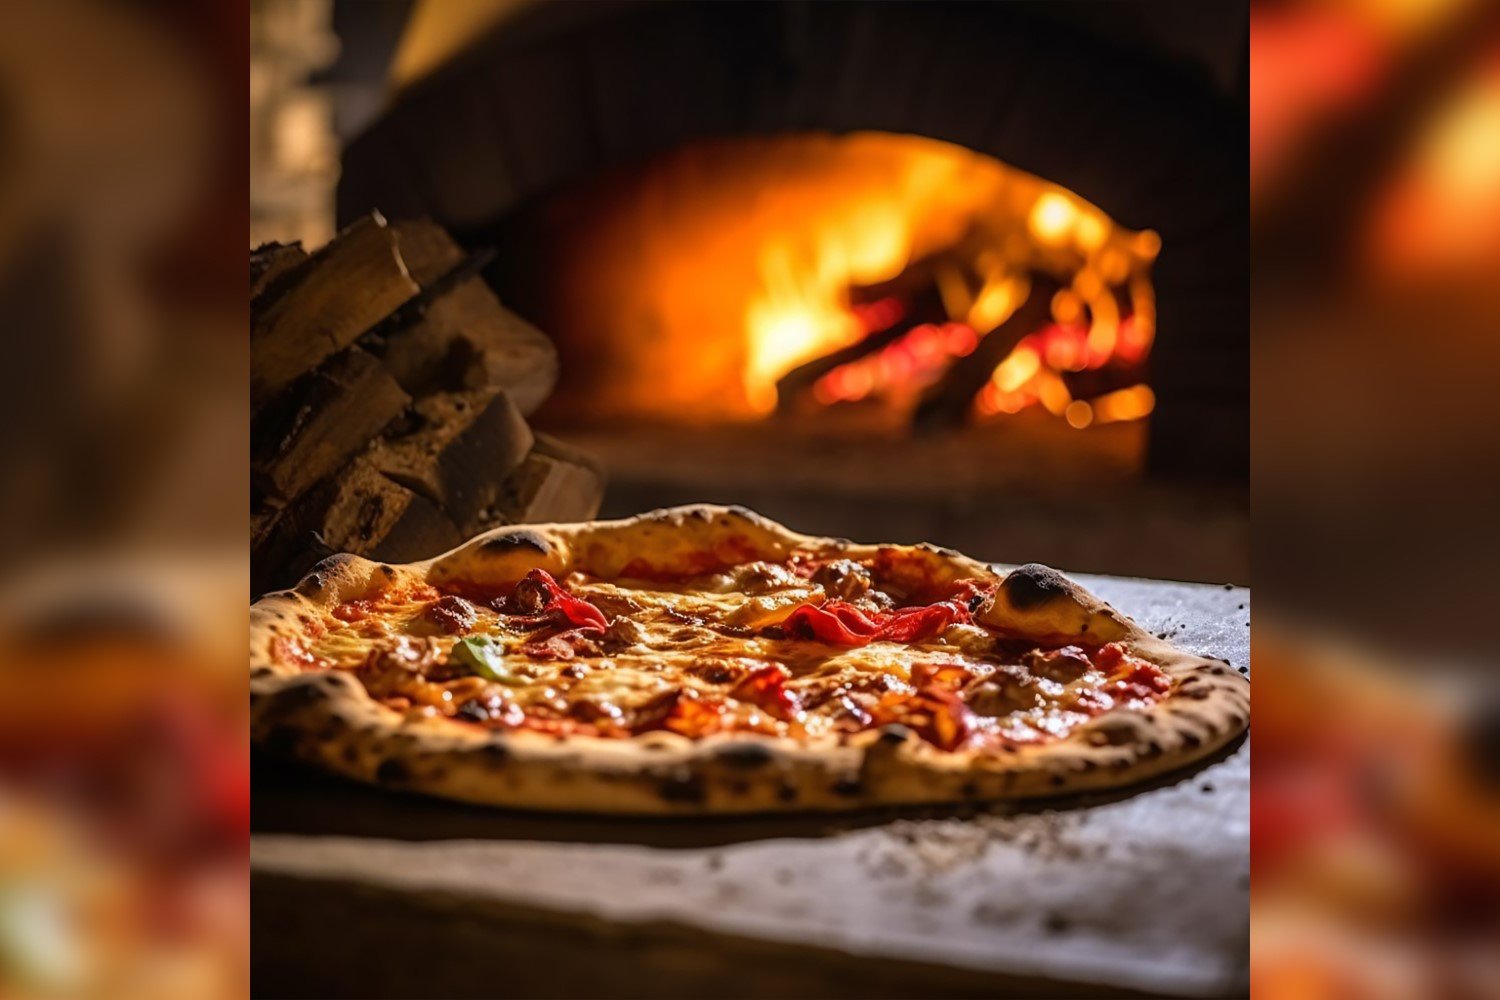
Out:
{"x": 701, "y": 636}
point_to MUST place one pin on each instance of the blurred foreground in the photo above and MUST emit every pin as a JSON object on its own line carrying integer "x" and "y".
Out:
{"x": 1375, "y": 131}
{"x": 1375, "y": 173}
{"x": 124, "y": 795}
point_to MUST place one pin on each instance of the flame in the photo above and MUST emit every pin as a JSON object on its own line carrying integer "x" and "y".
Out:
{"x": 859, "y": 227}
{"x": 694, "y": 284}
{"x": 1027, "y": 227}
{"x": 803, "y": 311}
{"x": 1053, "y": 217}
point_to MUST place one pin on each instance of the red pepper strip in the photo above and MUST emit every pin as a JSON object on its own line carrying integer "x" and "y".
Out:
{"x": 911, "y": 624}
{"x": 578, "y": 612}
{"x": 825, "y": 624}
{"x": 842, "y": 624}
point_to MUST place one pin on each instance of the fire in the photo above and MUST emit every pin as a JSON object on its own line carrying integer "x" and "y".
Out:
{"x": 696, "y": 285}
{"x": 1017, "y": 226}
{"x": 914, "y": 361}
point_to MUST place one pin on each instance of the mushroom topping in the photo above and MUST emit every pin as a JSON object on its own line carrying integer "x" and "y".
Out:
{"x": 761, "y": 577}
{"x": 530, "y": 596}
{"x": 843, "y": 579}
{"x": 1062, "y": 665}
{"x": 452, "y": 614}
{"x": 622, "y": 633}
{"x": 1009, "y": 689}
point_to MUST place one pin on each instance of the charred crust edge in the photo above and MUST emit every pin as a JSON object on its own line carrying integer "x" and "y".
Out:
{"x": 1033, "y": 585}
{"x": 514, "y": 541}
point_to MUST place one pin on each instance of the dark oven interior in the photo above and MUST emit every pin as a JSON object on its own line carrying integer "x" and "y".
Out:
{"x": 972, "y": 274}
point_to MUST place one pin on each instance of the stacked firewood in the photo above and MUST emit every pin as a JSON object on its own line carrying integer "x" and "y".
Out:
{"x": 389, "y": 390}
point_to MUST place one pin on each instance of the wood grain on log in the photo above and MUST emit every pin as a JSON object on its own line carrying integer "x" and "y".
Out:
{"x": 457, "y": 452}
{"x": 946, "y": 403}
{"x": 556, "y": 482}
{"x": 319, "y": 421}
{"x": 356, "y": 510}
{"x": 347, "y": 287}
{"x": 464, "y": 339}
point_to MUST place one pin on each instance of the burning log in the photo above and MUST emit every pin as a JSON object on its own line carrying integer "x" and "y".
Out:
{"x": 922, "y": 277}
{"x": 457, "y": 452}
{"x": 320, "y": 421}
{"x": 947, "y": 402}
{"x": 323, "y": 304}
{"x": 926, "y": 306}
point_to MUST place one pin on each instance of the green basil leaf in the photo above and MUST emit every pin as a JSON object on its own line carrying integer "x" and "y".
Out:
{"x": 484, "y": 657}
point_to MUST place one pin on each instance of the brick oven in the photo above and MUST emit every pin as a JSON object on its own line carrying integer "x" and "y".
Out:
{"x": 971, "y": 273}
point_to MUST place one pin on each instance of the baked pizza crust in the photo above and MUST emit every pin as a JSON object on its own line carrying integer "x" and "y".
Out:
{"x": 327, "y": 717}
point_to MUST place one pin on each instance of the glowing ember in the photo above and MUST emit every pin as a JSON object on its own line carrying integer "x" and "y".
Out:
{"x": 1034, "y": 373}
{"x": 913, "y": 362}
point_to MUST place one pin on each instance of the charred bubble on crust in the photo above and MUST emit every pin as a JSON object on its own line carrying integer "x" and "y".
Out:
{"x": 328, "y": 564}
{"x": 1033, "y": 585}
{"x": 745, "y": 756}
{"x": 894, "y": 734}
{"x": 685, "y": 786}
{"x": 848, "y": 787}
{"x": 515, "y": 541}
{"x": 311, "y": 584}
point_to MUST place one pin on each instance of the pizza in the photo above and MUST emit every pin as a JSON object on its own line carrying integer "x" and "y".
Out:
{"x": 704, "y": 659}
